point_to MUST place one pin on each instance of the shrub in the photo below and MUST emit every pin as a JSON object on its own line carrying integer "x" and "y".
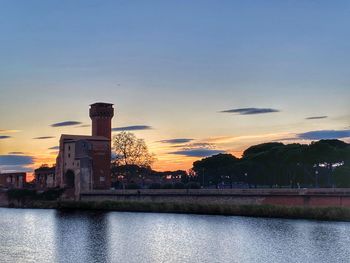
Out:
{"x": 51, "y": 194}
{"x": 167, "y": 186}
{"x": 132, "y": 186}
{"x": 31, "y": 194}
{"x": 179, "y": 186}
{"x": 193, "y": 185}
{"x": 21, "y": 194}
{"x": 155, "y": 186}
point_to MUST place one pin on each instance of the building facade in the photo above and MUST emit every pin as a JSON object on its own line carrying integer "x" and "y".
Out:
{"x": 84, "y": 162}
{"x": 13, "y": 180}
{"x": 45, "y": 177}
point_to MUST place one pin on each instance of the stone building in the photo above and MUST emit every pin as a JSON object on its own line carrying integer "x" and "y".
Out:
{"x": 44, "y": 177}
{"x": 84, "y": 162}
{"x": 12, "y": 180}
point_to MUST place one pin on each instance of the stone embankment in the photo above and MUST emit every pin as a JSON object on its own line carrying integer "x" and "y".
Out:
{"x": 320, "y": 204}
{"x": 334, "y": 197}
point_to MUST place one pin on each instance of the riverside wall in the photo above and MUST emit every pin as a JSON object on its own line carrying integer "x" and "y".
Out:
{"x": 283, "y": 197}
{"x": 3, "y": 198}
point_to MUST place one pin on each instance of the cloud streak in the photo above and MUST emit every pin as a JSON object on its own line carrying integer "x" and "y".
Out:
{"x": 176, "y": 141}
{"x": 16, "y": 160}
{"x": 65, "y": 123}
{"x": 324, "y": 134}
{"x": 133, "y": 128}
{"x": 43, "y": 137}
{"x": 8, "y": 131}
{"x": 197, "y": 152}
{"x": 54, "y": 148}
{"x": 3, "y": 137}
{"x": 14, "y": 168}
{"x": 250, "y": 111}
{"x": 316, "y": 117}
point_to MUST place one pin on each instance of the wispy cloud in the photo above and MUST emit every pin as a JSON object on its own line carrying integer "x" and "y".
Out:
{"x": 230, "y": 139}
{"x": 43, "y": 137}
{"x": 14, "y": 168}
{"x": 324, "y": 134}
{"x": 9, "y": 131}
{"x": 196, "y": 149}
{"x": 197, "y": 152}
{"x": 285, "y": 139}
{"x": 250, "y": 111}
{"x": 65, "y": 123}
{"x": 133, "y": 128}
{"x": 176, "y": 141}
{"x": 54, "y": 148}
{"x": 316, "y": 117}
{"x": 16, "y": 160}
{"x": 196, "y": 145}
{"x": 3, "y": 137}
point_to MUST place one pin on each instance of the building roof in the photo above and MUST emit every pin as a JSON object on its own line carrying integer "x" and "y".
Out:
{"x": 72, "y": 137}
{"x": 101, "y": 104}
{"x": 13, "y": 173}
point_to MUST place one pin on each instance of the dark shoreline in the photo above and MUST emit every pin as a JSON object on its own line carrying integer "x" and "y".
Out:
{"x": 266, "y": 211}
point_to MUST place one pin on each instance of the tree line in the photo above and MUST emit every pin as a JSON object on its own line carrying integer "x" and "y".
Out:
{"x": 324, "y": 163}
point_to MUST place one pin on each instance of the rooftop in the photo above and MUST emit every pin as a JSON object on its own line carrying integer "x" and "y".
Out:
{"x": 101, "y": 104}
{"x": 83, "y": 137}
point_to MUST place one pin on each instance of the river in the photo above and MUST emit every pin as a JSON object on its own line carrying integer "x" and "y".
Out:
{"x": 29, "y": 235}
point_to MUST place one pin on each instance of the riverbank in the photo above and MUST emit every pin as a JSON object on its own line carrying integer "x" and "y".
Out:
{"x": 319, "y": 204}
{"x": 269, "y": 211}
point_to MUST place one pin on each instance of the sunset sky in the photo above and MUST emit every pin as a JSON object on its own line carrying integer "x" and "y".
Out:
{"x": 193, "y": 78}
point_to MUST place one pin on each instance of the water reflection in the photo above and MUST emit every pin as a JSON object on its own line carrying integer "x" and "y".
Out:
{"x": 81, "y": 236}
{"x": 58, "y": 236}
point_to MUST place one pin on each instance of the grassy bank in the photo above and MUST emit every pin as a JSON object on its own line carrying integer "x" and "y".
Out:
{"x": 317, "y": 213}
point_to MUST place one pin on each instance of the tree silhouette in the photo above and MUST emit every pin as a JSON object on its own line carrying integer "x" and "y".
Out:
{"x": 130, "y": 150}
{"x": 324, "y": 163}
{"x": 132, "y": 159}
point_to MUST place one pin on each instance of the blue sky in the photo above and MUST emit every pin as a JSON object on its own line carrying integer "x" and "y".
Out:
{"x": 173, "y": 66}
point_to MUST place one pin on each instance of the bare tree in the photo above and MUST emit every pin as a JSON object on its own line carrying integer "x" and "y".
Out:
{"x": 130, "y": 150}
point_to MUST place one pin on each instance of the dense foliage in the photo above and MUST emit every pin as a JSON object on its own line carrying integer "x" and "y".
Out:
{"x": 324, "y": 163}
{"x": 31, "y": 194}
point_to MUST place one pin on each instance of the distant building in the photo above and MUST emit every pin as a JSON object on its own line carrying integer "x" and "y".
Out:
{"x": 84, "y": 162}
{"x": 13, "y": 180}
{"x": 45, "y": 177}
{"x": 172, "y": 178}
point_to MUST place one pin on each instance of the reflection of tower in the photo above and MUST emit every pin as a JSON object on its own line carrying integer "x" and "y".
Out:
{"x": 101, "y": 115}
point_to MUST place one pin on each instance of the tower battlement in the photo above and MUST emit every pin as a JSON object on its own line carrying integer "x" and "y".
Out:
{"x": 101, "y": 115}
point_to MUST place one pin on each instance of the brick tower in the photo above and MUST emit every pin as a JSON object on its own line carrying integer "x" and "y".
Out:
{"x": 101, "y": 115}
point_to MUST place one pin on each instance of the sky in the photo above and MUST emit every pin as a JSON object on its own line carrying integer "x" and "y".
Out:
{"x": 193, "y": 78}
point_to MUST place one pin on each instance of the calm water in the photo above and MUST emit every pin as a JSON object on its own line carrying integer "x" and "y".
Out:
{"x": 28, "y": 235}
